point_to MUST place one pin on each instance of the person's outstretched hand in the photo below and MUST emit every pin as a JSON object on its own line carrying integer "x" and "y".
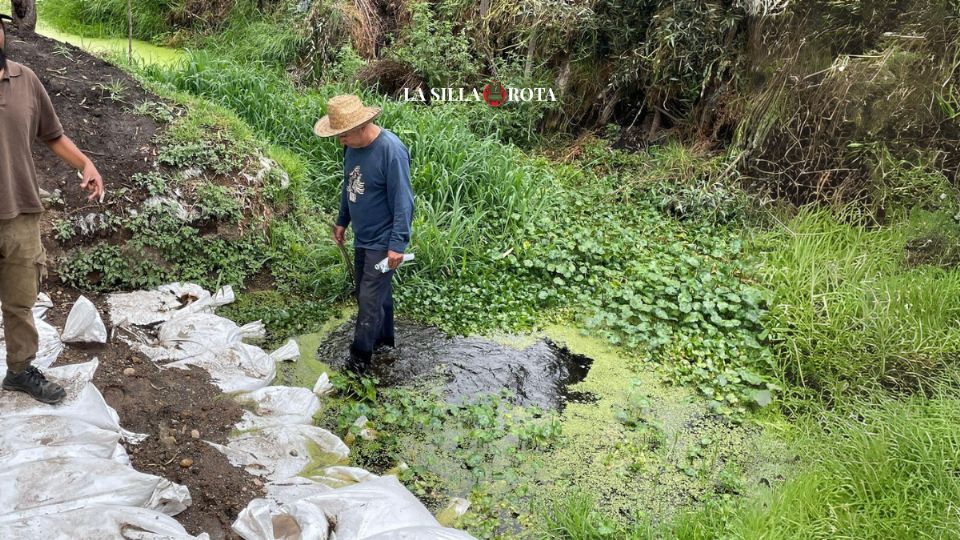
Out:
{"x": 92, "y": 181}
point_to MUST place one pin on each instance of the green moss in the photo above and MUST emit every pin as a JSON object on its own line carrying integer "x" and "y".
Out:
{"x": 143, "y": 52}
{"x": 305, "y": 371}
{"x": 319, "y": 459}
{"x": 669, "y": 456}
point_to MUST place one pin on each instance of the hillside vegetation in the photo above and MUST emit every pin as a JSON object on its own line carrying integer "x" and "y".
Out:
{"x": 758, "y": 200}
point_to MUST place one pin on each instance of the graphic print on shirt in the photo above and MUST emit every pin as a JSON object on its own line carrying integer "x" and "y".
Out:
{"x": 355, "y": 186}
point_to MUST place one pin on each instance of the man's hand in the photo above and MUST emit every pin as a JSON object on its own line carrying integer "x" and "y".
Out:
{"x": 339, "y": 234}
{"x": 90, "y": 178}
{"x": 394, "y": 259}
{"x": 92, "y": 181}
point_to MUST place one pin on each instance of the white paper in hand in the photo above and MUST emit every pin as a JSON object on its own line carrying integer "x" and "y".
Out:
{"x": 384, "y": 265}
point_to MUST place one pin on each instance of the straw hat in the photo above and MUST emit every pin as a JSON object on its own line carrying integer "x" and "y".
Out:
{"x": 343, "y": 114}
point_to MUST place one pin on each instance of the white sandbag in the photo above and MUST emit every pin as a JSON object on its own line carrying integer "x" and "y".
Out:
{"x": 142, "y": 308}
{"x": 194, "y": 334}
{"x": 421, "y": 533}
{"x": 146, "y": 308}
{"x": 240, "y": 368}
{"x": 255, "y": 522}
{"x": 289, "y": 351}
{"x": 83, "y": 402}
{"x": 63, "y": 484}
{"x": 369, "y": 508}
{"x": 279, "y": 452}
{"x": 216, "y": 345}
{"x": 253, "y": 332}
{"x": 49, "y": 349}
{"x": 50, "y": 345}
{"x": 270, "y": 518}
{"x": 222, "y": 297}
{"x": 379, "y": 508}
{"x": 339, "y": 476}
{"x": 323, "y": 385}
{"x": 278, "y": 405}
{"x": 117, "y": 522}
{"x": 293, "y": 489}
{"x": 36, "y": 438}
{"x": 41, "y": 306}
{"x": 84, "y": 324}
{"x": 185, "y": 293}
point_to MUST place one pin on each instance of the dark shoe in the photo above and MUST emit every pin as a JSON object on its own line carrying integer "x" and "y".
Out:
{"x": 387, "y": 354}
{"x": 359, "y": 362}
{"x": 32, "y": 382}
{"x": 384, "y": 344}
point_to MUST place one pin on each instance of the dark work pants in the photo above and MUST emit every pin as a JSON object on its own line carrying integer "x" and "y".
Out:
{"x": 375, "y": 303}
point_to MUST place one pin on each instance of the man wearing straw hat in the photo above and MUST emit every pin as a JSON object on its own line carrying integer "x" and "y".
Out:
{"x": 377, "y": 199}
{"x": 26, "y": 113}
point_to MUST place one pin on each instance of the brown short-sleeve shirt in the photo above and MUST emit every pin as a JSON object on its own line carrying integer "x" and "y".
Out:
{"x": 26, "y": 113}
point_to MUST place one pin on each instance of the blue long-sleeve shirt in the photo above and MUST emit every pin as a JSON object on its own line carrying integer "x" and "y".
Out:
{"x": 377, "y": 196}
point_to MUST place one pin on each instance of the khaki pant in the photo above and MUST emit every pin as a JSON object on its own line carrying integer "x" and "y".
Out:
{"x": 22, "y": 264}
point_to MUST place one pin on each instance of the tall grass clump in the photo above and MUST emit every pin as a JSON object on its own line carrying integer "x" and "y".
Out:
{"x": 474, "y": 194}
{"x": 887, "y": 471}
{"x": 248, "y": 34}
{"x": 579, "y": 517}
{"x": 106, "y": 18}
{"x": 849, "y": 315}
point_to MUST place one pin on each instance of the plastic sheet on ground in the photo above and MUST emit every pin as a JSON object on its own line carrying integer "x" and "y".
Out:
{"x": 57, "y": 462}
{"x": 147, "y": 308}
{"x": 279, "y": 452}
{"x": 216, "y": 345}
{"x": 277, "y": 406}
{"x": 190, "y": 334}
{"x": 84, "y": 324}
{"x": 176, "y": 327}
{"x": 379, "y": 509}
{"x": 339, "y": 476}
{"x": 239, "y": 368}
{"x": 117, "y": 522}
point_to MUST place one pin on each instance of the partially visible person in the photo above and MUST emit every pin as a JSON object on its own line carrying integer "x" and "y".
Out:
{"x": 26, "y": 113}
{"x": 377, "y": 199}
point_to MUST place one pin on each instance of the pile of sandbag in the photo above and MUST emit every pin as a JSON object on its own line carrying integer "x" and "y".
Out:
{"x": 64, "y": 473}
{"x": 176, "y": 326}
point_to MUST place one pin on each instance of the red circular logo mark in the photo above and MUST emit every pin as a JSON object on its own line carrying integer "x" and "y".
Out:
{"x": 493, "y": 101}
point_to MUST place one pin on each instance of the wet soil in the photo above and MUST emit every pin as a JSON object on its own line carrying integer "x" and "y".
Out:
{"x": 166, "y": 405}
{"x": 467, "y": 367}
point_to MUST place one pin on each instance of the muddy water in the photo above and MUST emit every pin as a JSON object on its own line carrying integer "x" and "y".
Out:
{"x": 467, "y": 367}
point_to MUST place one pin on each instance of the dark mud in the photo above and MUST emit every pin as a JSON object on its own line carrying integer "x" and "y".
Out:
{"x": 467, "y": 367}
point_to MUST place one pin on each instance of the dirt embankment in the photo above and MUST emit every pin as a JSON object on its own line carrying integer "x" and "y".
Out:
{"x": 95, "y": 102}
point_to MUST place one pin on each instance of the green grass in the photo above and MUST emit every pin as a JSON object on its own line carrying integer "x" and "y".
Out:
{"x": 245, "y": 33}
{"x": 886, "y": 471}
{"x": 848, "y": 315}
{"x": 107, "y": 18}
{"x": 579, "y": 517}
{"x": 473, "y": 194}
